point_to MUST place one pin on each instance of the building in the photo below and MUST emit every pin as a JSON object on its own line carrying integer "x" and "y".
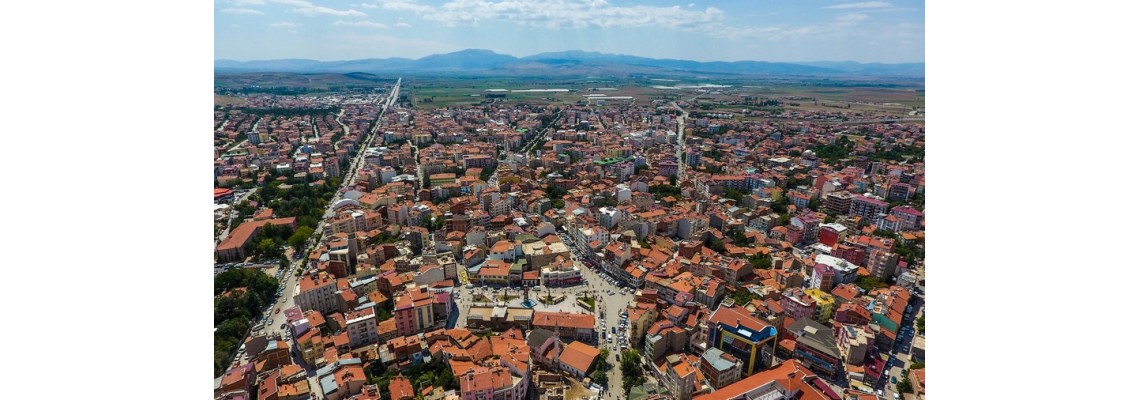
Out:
{"x": 578, "y": 358}
{"x": 233, "y": 248}
{"x": 867, "y": 207}
{"x": 790, "y": 380}
{"x": 401, "y": 388}
{"x": 496, "y": 383}
{"x": 419, "y": 309}
{"x": 317, "y": 292}
{"x": 341, "y": 379}
{"x": 824, "y": 304}
{"x": 720, "y": 369}
{"x": 899, "y": 191}
{"x": 223, "y": 195}
{"x": 917, "y": 379}
{"x": 822, "y": 277}
{"x": 609, "y": 216}
{"x": 855, "y": 343}
{"x": 845, "y": 271}
{"x": 681, "y": 376}
{"x": 810, "y": 226}
{"x": 563, "y": 272}
{"x": 797, "y": 304}
{"x": 499, "y": 317}
{"x": 910, "y": 218}
{"x": 568, "y": 326}
{"x": 838, "y": 202}
{"x": 735, "y": 331}
{"x": 361, "y": 327}
{"x": 882, "y": 264}
{"x": 539, "y": 254}
{"x": 832, "y": 234}
{"x": 817, "y": 348}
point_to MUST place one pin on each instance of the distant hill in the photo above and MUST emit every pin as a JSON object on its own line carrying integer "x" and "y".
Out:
{"x": 564, "y": 63}
{"x": 906, "y": 69}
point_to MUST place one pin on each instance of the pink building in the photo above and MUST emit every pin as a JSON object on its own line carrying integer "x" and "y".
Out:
{"x": 797, "y": 304}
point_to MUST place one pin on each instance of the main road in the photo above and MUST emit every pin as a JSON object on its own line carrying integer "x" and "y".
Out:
{"x": 275, "y": 316}
{"x": 680, "y": 141}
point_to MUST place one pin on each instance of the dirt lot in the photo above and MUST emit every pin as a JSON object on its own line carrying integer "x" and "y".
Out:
{"x": 223, "y": 100}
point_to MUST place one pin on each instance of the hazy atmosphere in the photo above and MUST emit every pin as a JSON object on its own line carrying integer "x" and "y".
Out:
{"x": 814, "y": 30}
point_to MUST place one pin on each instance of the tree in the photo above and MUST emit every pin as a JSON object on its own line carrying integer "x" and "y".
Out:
{"x": 869, "y": 283}
{"x": 743, "y": 296}
{"x": 631, "y": 370}
{"x": 815, "y": 204}
{"x": 760, "y": 261}
{"x": 446, "y": 379}
{"x": 785, "y": 219}
{"x": 904, "y": 386}
{"x": 921, "y": 322}
{"x": 717, "y": 246}
{"x": 600, "y": 377}
{"x": 300, "y": 236}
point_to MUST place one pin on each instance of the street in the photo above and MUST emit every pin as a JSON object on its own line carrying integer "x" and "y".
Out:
{"x": 289, "y": 280}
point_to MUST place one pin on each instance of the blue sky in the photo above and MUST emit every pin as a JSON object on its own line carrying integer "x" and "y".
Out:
{"x": 762, "y": 30}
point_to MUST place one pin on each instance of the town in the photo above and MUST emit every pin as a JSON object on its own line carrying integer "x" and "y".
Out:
{"x": 636, "y": 240}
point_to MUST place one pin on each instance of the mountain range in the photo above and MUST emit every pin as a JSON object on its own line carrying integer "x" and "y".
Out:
{"x": 567, "y": 63}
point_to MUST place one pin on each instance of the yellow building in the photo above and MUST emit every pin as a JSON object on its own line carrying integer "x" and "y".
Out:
{"x": 824, "y": 304}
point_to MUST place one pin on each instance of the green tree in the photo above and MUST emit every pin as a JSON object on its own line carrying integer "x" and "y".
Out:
{"x": 760, "y": 261}
{"x": 743, "y": 296}
{"x": 631, "y": 372}
{"x": 904, "y": 386}
{"x": 717, "y": 246}
{"x": 869, "y": 283}
{"x": 921, "y": 322}
{"x": 300, "y": 236}
{"x": 600, "y": 377}
{"x": 815, "y": 204}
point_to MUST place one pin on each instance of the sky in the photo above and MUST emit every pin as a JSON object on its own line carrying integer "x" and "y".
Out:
{"x": 759, "y": 30}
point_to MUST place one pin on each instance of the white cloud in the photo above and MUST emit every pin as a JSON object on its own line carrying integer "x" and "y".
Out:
{"x": 249, "y": 2}
{"x": 850, "y": 18}
{"x": 866, "y": 4}
{"x": 241, "y": 11}
{"x": 692, "y": 4}
{"x": 284, "y": 25}
{"x": 406, "y": 5}
{"x": 367, "y": 5}
{"x": 402, "y": 25}
{"x": 556, "y": 14}
{"x": 309, "y": 9}
{"x": 362, "y": 24}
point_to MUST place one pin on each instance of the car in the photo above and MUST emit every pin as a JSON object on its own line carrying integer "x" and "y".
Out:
{"x": 894, "y": 379}
{"x": 278, "y": 311}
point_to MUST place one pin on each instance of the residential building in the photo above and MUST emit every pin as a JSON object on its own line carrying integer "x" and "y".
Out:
{"x": 735, "y": 331}
{"x": 361, "y": 327}
{"x": 577, "y": 359}
{"x": 882, "y": 264}
{"x": 568, "y": 326}
{"x": 867, "y": 207}
{"x": 317, "y": 291}
{"x": 790, "y": 380}
{"x": 797, "y": 304}
{"x": 816, "y": 347}
{"x": 824, "y": 304}
{"x": 720, "y": 368}
{"x": 418, "y": 310}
